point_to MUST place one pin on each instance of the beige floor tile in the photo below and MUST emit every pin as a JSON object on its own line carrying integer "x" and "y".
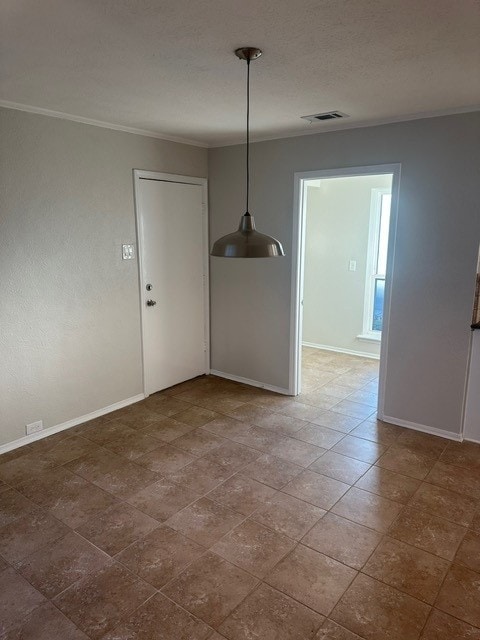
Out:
{"x": 300, "y": 410}
{"x": 368, "y": 509}
{"x": 461, "y": 454}
{"x": 196, "y": 416}
{"x": 444, "y": 503}
{"x": 468, "y": 553}
{"x": 162, "y": 619}
{"x": 288, "y": 515}
{"x": 317, "y": 397}
{"x": 97, "y": 603}
{"x": 117, "y": 527}
{"x": 370, "y": 398}
{"x": 162, "y": 499}
{"x": 441, "y": 626}
{"x": 103, "y": 433}
{"x": 360, "y": 449}
{"x": 250, "y": 413}
{"x": 205, "y": 521}
{"x": 241, "y": 494}
{"x": 282, "y": 424}
{"x": 416, "y": 572}
{"x": 424, "y": 443}
{"x": 66, "y": 450}
{"x": 227, "y": 427}
{"x": 296, "y": 451}
{"x": 353, "y": 409}
{"x": 317, "y": 489}
{"x": 59, "y": 564}
{"x": 211, "y": 588}
{"x": 343, "y": 468}
{"x": 160, "y": 556}
{"x": 318, "y": 435}
{"x": 167, "y": 429}
{"x": 337, "y": 421}
{"x": 201, "y": 475}
{"x": 17, "y": 600}
{"x": 271, "y": 615}
{"x": 198, "y": 442}
{"x": 132, "y": 445}
{"x": 45, "y": 623}
{"x": 460, "y": 595}
{"x": 253, "y": 547}
{"x": 377, "y": 431}
{"x": 345, "y": 541}
{"x": 376, "y": 611}
{"x": 312, "y": 578}
{"x": 68, "y": 497}
{"x": 258, "y": 438}
{"x": 388, "y": 484}
{"x": 165, "y": 459}
{"x": 428, "y": 532}
{"x": 461, "y": 480}
{"x": 332, "y": 631}
{"x": 272, "y": 471}
{"x": 232, "y": 456}
{"x": 28, "y": 534}
{"x": 406, "y": 462}
{"x": 168, "y": 406}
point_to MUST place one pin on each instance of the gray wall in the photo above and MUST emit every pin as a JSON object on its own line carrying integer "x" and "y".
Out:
{"x": 337, "y": 223}
{"x": 435, "y": 257}
{"x": 69, "y": 310}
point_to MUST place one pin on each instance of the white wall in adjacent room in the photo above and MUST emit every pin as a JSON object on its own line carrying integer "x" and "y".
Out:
{"x": 337, "y": 232}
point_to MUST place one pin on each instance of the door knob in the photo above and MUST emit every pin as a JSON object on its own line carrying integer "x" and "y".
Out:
{"x": 151, "y": 303}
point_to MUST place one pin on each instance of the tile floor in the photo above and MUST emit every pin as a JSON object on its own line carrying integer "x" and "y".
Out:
{"x": 213, "y": 510}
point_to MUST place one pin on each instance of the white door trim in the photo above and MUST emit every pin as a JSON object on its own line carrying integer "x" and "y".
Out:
{"x": 298, "y": 260}
{"x": 139, "y": 174}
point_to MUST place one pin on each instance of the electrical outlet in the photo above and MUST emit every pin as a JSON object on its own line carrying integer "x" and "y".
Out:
{"x": 352, "y": 265}
{"x": 34, "y": 427}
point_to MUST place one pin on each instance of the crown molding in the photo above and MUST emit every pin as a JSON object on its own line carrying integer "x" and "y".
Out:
{"x": 99, "y": 123}
{"x": 315, "y": 129}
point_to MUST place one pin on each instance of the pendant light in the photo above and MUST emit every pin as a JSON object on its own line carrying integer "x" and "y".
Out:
{"x": 247, "y": 242}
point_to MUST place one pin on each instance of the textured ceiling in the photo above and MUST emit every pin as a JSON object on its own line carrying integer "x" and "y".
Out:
{"x": 167, "y": 66}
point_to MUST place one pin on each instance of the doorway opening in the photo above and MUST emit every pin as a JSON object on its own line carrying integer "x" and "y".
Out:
{"x": 344, "y": 238}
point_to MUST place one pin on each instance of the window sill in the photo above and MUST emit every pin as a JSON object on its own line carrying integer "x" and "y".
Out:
{"x": 370, "y": 337}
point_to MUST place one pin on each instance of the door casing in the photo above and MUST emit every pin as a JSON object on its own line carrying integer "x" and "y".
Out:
{"x": 139, "y": 174}
{"x": 298, "y": 265}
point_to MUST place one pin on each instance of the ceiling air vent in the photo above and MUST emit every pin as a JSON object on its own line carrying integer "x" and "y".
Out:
{"x": 328, "y": 115}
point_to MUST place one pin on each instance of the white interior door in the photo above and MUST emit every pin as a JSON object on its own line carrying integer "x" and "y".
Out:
{"x": 172, "y": 250}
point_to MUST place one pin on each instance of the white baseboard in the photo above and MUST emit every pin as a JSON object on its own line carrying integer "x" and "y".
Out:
{"x": 350, "y": 352}
{"x": 475, "y": 440}
{"x": 252, "y": 383}
{"x": 49, "y": 431}
{"x": 451, "y": 435}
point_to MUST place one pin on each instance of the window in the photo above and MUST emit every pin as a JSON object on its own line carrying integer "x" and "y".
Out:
{"x": 376, "y": 264}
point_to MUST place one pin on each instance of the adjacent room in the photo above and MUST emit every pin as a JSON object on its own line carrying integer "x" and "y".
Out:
{"x": 239, "y": 320}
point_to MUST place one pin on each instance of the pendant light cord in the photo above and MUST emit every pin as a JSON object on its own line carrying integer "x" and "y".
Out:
{"x": 248, "y": 130}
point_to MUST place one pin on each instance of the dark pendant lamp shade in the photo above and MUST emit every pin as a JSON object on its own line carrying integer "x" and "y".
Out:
{"x": 247, "y": 242}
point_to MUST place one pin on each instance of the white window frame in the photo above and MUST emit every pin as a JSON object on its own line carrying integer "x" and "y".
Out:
{"x": 372, "y": 255}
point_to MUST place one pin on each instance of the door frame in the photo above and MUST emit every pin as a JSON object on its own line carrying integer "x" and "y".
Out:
{"x": 298, "y": 268}
{"x": 139, "y": 174}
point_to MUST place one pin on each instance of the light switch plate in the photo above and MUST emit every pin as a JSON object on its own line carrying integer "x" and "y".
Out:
{"x": 352, "y": 265}
{"x": 128, "y": 251}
